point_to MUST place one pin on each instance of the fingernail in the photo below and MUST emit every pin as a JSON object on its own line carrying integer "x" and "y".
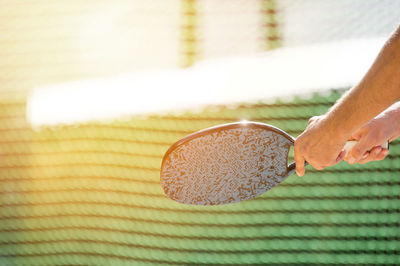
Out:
{"x": 352, "y": 160}
{"x": 299, "y": 174}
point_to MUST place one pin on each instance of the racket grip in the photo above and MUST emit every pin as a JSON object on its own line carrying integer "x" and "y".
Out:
{"x": 351, "y": 143}
{"x": 347, "y": 147}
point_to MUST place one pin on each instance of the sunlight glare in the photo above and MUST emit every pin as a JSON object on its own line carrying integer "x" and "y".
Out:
{"x": 281, "y": 73}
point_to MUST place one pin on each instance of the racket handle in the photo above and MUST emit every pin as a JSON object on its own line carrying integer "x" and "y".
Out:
{"x": 347, "y": 147}
{"x": 351, "y": 143}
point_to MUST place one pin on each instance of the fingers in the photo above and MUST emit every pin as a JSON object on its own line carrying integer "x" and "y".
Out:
{"x": 317, "y": 147}
{"x": 302, "y": 153}
{"x": 319, "y": 167}
{"x": 376, "y": 154}
{"x": 300, "y": 160}
{"x": 341, "y": 156}
{"x": 312, "y": 120}
{"x": 358, "y": 151}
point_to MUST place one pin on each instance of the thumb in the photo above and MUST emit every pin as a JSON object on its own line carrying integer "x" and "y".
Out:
{"x": 300, "y": 161}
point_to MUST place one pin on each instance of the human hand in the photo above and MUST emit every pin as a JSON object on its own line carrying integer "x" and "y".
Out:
{"x": 320, "y": 145}
{"x": 374, "y": 154}
{"x": 371, "y": 136}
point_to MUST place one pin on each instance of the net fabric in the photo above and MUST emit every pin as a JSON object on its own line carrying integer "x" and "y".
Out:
{"x": 310, "y": 22}
{"x": 91, "y": 194}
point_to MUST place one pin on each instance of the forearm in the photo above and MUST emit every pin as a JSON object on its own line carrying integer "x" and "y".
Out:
{"x": 322, "y": 142}
{"x": 379, "y": 88}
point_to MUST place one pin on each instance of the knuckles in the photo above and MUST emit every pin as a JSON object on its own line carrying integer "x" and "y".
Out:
{"x": 319, "y": 163}
{"x": 319, "y": 167}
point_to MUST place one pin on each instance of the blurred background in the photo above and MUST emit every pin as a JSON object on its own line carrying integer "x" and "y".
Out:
{"x": 92, "y": 94}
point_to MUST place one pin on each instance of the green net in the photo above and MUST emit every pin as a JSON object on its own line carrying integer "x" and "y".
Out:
{"x": 90, "y": 194}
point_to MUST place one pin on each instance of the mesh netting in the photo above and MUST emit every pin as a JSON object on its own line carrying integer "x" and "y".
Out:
{"x": 89, "y": 194}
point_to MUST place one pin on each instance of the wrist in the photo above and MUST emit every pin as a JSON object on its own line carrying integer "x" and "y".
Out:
{"x": 391, "y": 120}
{"x": 337, "y": 127}
{"x": 396, "y": 123}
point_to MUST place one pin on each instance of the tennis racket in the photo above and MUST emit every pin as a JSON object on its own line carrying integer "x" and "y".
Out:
{"x": 228, "y": 163}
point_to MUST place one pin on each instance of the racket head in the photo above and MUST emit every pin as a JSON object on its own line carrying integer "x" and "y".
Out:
{"x": 226, "y": 164}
